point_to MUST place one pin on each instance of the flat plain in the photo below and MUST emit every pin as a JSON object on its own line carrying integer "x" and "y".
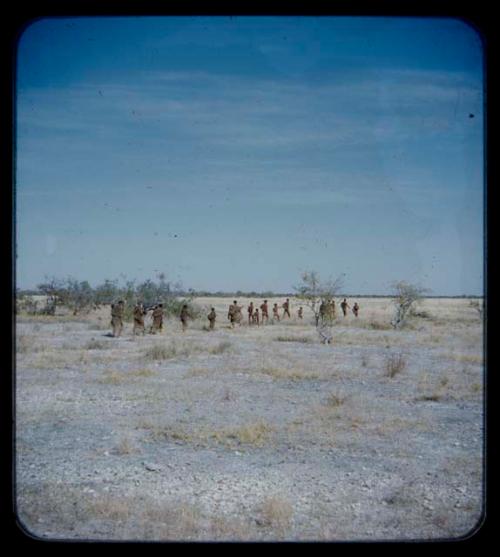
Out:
{"x": 252, "y": 433}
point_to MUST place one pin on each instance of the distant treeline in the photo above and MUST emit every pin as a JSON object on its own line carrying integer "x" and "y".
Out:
{"x": 80, "y": 294}
{"x": 270, "y": 294}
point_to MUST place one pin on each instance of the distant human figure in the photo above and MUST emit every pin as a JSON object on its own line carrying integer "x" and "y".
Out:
{"x": 250, "y": 311}
{"x": 234, "y": 313}
{"x": 139, "y": 313}
{"x": 300, "y": 313}
{"x": 322, "y": 310}
{"x": 157, "y": 319}
{"x": 117, "y": 317}
{"x": 333, "y": 309}
{"x": 265, "y": 312}
{"x": 255, "y": 317}
{"x": 355, "y": 309}
{"x": 276, "y": 314}
{"x": 344, "y": 305}
{"x": 238, "y": 316}
{"x": 231, "y": 313}
{"x": 211, "y": 318}
{"x": 184, "y": 316}
{"x": 286, "y": 308}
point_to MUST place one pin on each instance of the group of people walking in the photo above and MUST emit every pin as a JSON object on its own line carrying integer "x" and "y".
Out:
{"x": 235, "y": 314}
{"x": 139, "y": 314}
{"x": 327, "y": 308}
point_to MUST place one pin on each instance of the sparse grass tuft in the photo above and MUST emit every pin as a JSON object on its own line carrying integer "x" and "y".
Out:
{"x": 125, "y": 447}
{"x": 94, "y": 344}
{"x": 197, "y": 372}
{"x": 142, "y": 372}
{"x": 275, "y": 512}
{"x": 112, "y": 378}
{"x": 228, "y": 395}
{"x": 220, "y": 348}
{"x": 394, "y": 364}
{"x": 467, "y": 358}
{"x": 290, "y": 374}
{"x": 163, "y": 352}
{"x": 432, "y": 392}
{"x": 378, "y": 326}
{"x": 110, "y": 508}
{"x": 26, "y": 344}
{"x": 476, "y": 387}
{"x": 122, "y": 517}
{"x": 170, "y": 433}
{"x": 98, "y": 326}
{"x": 335, "y": 400}
{"x": 422, "y": 314}
{"x": 253, "y": 434}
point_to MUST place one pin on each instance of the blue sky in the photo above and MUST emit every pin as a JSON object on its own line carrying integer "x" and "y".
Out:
{"x": 235, "y": 153}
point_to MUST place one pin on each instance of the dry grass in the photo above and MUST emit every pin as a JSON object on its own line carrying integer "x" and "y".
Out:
{"x": 94, "y": 344}
{"x": 324, "y": 416}
{"x": 98, "y": 326}
{"x": 378, "y": 326}
{"x": 59, "y": 358}
{"x": 255, "y": 434}
{"x": 220, "y": 348}
{"x": 125, "y": 447}
{"x": 112, "y": 378}
{"x": 228, "y": 395}
{"x": 476, "y": 388}
{"x": 291, "y": 374}
{"x": 51, "y": 359}
{"x": 437, "y": 390}
{"x": 252, "y": 435}
{"x": 113, "y": 508}
{"x": 26, "y": 344}
{"x": 275, "y": 512}
{"x": 197, "y": 372}
{"x": 466, "y": 358}
{"x": 390, "y": 426}
{"x": 164, "y": 352}
{"x": 59, "y": 507}
{"x": 334, "y": 400}
{"x": 142, "y": 372}
{"x": 134, "y": 519}
{"x": 159, "y": 352}
{"x": 394, "y": 364}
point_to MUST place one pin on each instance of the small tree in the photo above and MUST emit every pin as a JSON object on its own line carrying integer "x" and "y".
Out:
{"x": 128, "y": 295}
{"x": 309, "y": 292}
{"x": 107, "y": 292}
{"x": 79, "y": 296}
{"x": 147, "y": 292}
{"x": 313, "y": 293}
{"x": 55, "y": 293}
{"x": 406, "y": 297}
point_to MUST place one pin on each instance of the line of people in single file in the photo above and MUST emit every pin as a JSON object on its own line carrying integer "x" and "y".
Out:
{"x": 327, "y": 309}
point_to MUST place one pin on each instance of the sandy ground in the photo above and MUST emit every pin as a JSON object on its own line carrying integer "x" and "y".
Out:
{"x": 256, "y": 433}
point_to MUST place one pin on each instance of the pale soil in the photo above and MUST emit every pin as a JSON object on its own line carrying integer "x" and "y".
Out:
{"x": 252, "y": 433}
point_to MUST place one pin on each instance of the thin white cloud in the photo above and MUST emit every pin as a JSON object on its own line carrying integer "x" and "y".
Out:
{"x": 235, "y": 113}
